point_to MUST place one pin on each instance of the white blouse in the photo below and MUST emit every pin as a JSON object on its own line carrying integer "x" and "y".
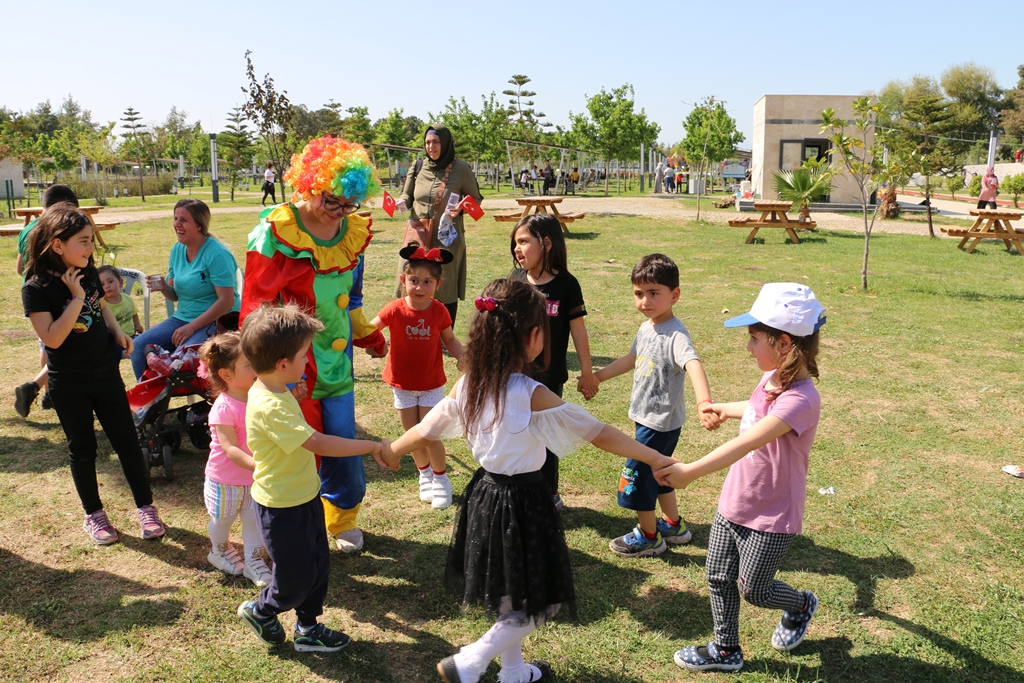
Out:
{"x": 516, "y": 444}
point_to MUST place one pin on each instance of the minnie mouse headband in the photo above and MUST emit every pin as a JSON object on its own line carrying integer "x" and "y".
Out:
{"x": 435, "y": 255}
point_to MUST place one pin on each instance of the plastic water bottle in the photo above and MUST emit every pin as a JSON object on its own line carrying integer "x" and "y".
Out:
{"x": 446, "y": 232}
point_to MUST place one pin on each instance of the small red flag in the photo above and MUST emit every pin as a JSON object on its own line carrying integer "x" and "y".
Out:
{"x": 470, "y": 206}
{"x": 389, "y": 204}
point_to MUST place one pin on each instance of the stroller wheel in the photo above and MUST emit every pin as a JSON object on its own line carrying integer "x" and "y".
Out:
{"x": 175, "y": 438}
{"x": 168, "y": 462}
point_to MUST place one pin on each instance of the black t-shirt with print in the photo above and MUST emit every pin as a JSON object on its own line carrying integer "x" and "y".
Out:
{"x": 88, "y": 350}
{"x": 565, "y": 303}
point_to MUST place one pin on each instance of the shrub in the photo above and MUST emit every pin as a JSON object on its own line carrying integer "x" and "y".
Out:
{"x": 954, "y": 184}
{"x": 1014, "y": 185}
{"x": 974, "y": 187}
{"x": 161, "y": 184}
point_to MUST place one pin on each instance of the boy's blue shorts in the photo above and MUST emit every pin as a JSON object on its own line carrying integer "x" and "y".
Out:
{"x": 638, "y": 489}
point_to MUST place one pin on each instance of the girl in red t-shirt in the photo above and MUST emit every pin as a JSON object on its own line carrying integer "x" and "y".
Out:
{"x": 418, "y": 325}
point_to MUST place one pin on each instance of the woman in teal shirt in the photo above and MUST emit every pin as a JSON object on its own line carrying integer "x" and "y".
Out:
{"x": 201, "y": 278}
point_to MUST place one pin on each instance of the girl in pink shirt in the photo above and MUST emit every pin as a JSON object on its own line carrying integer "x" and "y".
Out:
{"x": 230, "y": 466}
{"x": 761, "y": 508}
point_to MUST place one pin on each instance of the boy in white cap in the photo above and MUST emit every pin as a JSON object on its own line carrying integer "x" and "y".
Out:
{"x": 761, "y": 508}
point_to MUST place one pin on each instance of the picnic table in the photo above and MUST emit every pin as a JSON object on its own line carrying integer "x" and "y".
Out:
{"x": 540, "y": 205}
{"x": 98, "y": 225}
{"x": 773, "y": 215}
{"x": 990, "y": 224}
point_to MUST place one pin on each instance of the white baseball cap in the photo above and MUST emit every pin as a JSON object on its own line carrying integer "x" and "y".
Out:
{"x": 786, "y": 306}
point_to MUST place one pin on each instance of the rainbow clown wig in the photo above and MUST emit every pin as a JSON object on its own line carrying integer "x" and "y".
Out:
{"x": 334, "y": 166}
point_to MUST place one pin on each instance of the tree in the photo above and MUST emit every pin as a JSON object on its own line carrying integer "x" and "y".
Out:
{"x": 977, "y": 99}
{"x": 134, "y": 139}
{"x": 711, "y": 137}
{"x": 954, "y": 183}
{"x": 923, "y": 133}
{"x": 271, "y": 112}
{"x": 391, "y": 130}
{"x": 1014, "y": 185}
{"x": 236, "y": 145}
{"x": 803, "y": 186}
{"x": 855, "y": 150}
{"x": 101, "y": 147}
{"x": 356, "y": 127}
{"x": 527, "y": 123}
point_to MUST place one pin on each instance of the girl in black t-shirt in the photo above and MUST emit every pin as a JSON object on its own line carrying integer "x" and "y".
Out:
{"x": 63, "y": 299}
{"x": 539, "y": 255}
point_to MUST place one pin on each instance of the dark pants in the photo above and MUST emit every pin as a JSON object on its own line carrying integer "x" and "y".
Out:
{"x": 453, "y": 310}
{"x": 983, "y": 204}
{"x": 268, "y": 189}
{"x": 638, "y": 489}
{"x": 75, "y": 402}
{"x": 296, "y": 540}
{"x": 550, "y": 469}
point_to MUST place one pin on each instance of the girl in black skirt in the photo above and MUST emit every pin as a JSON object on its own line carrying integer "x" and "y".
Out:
{"x": 508, "y": 551}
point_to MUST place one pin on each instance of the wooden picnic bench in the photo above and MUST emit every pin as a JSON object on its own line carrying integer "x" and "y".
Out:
{"x": 32, "y": 212}
{"x": 990, "y": 224}
{"x": 540, "y": 205}
{"x": 773, "y": 215}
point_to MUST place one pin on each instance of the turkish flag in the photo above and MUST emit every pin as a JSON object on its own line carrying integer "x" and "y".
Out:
{"x": 389, "y": 204}
{"x": 470, "y": 206}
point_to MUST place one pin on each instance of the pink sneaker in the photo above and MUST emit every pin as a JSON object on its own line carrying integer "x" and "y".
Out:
{"x": 152, "y": 527}
{"x": 99, "y": 529}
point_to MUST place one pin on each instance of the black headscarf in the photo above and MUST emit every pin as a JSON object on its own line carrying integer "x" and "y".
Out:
{"x": 447, "y": 148}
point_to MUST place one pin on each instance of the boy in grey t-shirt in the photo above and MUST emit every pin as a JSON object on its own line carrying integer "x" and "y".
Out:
{"x": 660, "y": 356}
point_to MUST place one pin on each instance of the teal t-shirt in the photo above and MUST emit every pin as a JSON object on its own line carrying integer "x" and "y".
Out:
{"x": 23, "y": 238}
{"x": 213, "y": 266}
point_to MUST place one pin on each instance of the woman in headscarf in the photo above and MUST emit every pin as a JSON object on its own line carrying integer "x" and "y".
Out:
{"x": 989, "y": 190}
{"x": 425, "y": 194}
{"x": 309, "y": 251}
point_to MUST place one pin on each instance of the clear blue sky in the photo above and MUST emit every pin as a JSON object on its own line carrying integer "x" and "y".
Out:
{"x": 414, "y": 55}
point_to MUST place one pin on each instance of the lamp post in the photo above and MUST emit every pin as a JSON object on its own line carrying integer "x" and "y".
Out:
{"x": 213, "y": 167}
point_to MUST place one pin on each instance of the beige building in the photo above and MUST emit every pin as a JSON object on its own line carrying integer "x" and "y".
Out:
{"x": 787, "y": 130}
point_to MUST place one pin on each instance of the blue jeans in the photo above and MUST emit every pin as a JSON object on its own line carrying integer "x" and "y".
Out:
{"x": 161, "y": 336}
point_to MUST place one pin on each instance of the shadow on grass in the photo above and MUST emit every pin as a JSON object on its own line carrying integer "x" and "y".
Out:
{"x": 966, "y": 295}
{"x": 36, "y": 455}
{"x": 81, "y": 604}
{"x": 863, "y": 572}
{"x": 839, "y": 665}
{"x": 582, "y": 236}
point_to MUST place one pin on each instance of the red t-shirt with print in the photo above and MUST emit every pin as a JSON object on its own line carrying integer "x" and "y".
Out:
{"x": 415, "y": 362}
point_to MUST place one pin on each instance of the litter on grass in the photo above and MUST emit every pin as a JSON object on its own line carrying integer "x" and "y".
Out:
{"x": 830, "y": 491}
{"x": 1014, "y": 471}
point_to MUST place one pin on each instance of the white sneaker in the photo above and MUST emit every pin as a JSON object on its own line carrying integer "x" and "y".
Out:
{"x": 226, "y": 559}
{"x": 350, "y": 541}
{"x": 427, "y": 485}
{"x": 442, "y": 492}
{"x": 257, "y": 571}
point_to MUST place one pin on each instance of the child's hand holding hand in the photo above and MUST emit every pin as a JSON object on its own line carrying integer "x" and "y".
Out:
{"x": 391, "y": 459}
{"x": 588, "y": 386}
{"x": 677, "y": 475}
{"x": 301, "y": 390}
{"x": 710, "y": 416}
{"x": 379, "y": 351}
{"x": 380, "y": 452}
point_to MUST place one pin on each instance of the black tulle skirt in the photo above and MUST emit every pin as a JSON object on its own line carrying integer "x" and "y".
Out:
{"x": 508, "y": 541}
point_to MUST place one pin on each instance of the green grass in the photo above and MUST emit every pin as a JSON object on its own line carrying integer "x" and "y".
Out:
{"x": 916, "y": 558}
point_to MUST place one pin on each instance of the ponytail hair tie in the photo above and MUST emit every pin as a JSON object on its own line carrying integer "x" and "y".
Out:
{"x": 203, "y": 372}
{"x": 485, "y": 303}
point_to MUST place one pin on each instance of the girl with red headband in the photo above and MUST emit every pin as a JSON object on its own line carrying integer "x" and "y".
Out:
{"x": 418, "y": 325}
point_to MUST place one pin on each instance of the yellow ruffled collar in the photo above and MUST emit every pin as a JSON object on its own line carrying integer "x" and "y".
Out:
{"x": 336, "y": 258}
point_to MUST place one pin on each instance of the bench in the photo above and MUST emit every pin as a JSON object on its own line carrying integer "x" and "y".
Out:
{"x": 11, "y": 230}
{"x": 570, "y": 217}
{"x": 507, "y": 217}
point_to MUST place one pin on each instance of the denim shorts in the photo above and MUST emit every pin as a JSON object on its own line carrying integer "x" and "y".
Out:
{"x": 638, "y": 489}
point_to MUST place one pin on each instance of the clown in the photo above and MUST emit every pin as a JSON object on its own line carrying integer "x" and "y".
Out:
{"x": 309, "y": 251}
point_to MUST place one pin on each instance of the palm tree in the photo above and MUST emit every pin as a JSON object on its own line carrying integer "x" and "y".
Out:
{"x": 803, "y": 186}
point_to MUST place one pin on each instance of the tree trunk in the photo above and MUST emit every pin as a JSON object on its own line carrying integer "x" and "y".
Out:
{"x": 928, "y": 205}
{"x": 142, "y": 184}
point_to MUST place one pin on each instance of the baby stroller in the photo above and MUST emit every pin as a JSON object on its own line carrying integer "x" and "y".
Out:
{"x": 158, "y": 425}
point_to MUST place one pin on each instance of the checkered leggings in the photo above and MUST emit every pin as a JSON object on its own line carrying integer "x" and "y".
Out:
{"x": 743, "y": 562}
